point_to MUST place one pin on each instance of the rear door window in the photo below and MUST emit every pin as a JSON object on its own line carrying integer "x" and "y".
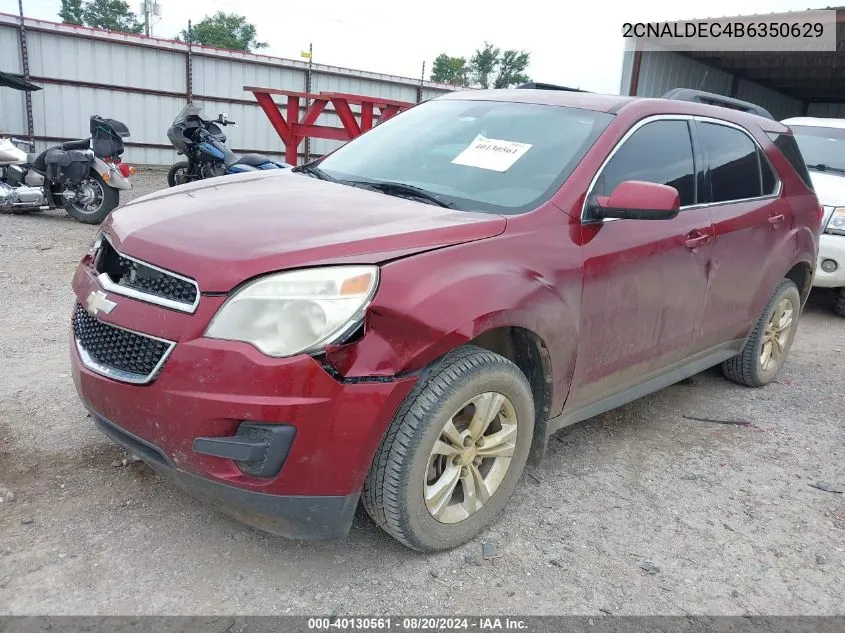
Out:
{"x": 658, "y": 152}
{"x": 734, "y": 164}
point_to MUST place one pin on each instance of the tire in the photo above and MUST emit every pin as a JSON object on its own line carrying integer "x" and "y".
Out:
{"x": 748, "y": 368}
{"x": 839, "y": 306}
{"x": 172, "y": 175}
{"x": 402, "y": 468}
{"x": 110, "y": 200}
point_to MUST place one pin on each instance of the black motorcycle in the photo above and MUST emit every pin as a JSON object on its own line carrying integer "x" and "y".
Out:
{"x": 84, "y": 176}
{"x": 203, "y": 143}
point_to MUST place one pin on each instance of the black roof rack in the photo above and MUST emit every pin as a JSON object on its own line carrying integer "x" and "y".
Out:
{"x": 709, "y": 98}
{"x": 541, "y": 86}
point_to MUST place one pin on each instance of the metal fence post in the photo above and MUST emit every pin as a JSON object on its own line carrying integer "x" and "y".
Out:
{"x": 308, "y": 82}
{"x": 189, "y": 67}
{"x": 30, "y": 128}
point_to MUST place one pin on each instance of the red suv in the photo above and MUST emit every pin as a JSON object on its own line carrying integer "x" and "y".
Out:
{"x": 406, "y": 320}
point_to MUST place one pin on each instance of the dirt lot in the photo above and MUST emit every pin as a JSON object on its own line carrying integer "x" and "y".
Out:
{"x": 639, "y": 511}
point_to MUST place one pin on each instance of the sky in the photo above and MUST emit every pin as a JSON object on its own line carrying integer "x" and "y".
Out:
{"x": 578, "y": 45}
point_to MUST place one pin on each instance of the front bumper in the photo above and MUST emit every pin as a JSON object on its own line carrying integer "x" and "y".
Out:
{"x": 831, "y": 247}
{"x": 301, "y": 517}
{"x": 209, "y": 388}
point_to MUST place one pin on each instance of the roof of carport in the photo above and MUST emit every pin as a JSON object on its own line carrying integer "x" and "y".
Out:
{"x": 810, "y": 76}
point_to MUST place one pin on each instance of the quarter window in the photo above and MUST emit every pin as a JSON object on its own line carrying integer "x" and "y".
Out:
{"x": 735, "y": 165}
{"x": 658, "y": 152}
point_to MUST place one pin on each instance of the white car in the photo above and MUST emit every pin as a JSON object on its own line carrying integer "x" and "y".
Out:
{"x": 822, "y": 144}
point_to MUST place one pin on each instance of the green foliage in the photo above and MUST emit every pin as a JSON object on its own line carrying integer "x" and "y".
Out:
{"x": 489, "y": 67}
{"x": 450, "y": 70}
{"x": 224, "y": 30}
{"x": 71, "y": 11}
{"x": 113, "y": 15}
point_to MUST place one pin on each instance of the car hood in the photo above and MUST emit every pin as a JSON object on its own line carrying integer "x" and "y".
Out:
{"x": 830, "y": 188}
{"x": 225, "y": 230}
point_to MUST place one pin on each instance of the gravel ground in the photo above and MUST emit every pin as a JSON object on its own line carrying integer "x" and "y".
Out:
{"x": 638, "y": 511}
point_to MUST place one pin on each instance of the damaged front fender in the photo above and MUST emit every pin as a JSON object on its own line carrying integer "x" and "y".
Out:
{"x": 432, "y": 303}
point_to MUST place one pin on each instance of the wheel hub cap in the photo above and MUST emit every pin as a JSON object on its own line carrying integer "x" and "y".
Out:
{"x": 470, "y": 458}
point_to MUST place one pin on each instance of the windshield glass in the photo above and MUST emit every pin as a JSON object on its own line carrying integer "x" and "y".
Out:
{"x": 187, "y": 111}
{"x": 821, "y": 146}
{"x": 489, "y": 156}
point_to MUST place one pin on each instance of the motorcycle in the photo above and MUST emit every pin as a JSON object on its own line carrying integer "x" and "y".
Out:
{"x": 84, "y": 177}
{"x": 203, "y": 143}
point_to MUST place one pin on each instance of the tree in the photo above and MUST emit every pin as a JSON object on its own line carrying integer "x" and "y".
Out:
{"x": 493, "y": 68}
{"x": 224, "y": 30}
{"x": 71, "y": 11}
{"x": 482, "y": 65}
{"x": 450, "y": 70}
{"x": 113, "y": 15}
{"x": 489, "y": 67}
{"x": 511, "y": 69}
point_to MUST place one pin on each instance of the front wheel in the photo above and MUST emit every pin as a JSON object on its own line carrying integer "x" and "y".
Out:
{"x": 454, "y": 452}
{"x": 178, "y": 174}
{"x": 768, "y": 345}
{"x": 94, "y": 200}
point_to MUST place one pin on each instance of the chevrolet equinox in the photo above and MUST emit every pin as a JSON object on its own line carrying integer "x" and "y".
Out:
{"x": 406, "y": 320}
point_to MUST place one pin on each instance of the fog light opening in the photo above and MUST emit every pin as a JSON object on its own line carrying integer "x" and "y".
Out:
{"x": 829, "y": 266}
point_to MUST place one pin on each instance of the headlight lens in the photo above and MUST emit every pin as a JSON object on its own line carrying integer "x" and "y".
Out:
{"x": 299, "y": 311}
{"x": 836, "y": 222}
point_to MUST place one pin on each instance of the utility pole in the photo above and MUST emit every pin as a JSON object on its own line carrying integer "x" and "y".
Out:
{"x": 150, "y": 8}
{"x": 25, "y": 63}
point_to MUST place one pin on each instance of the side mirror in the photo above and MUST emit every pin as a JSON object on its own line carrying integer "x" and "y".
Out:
{"x": 638, "y": 200}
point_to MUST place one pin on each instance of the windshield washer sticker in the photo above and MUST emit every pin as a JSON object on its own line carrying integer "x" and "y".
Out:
{"x": 491, "y": 153}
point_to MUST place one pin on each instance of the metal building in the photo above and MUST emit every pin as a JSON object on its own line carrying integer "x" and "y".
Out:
{"x": 786, "y": 84}
{"x": 145, "y": 81}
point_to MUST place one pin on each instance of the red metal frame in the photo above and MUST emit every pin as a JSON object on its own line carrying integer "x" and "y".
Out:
{"x": 293, "y": 130}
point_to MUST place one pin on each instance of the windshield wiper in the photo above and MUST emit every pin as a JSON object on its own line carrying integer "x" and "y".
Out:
{"x": 823, "y": 167}
{"x": 401, "y": 188}
{"x": 314, "y": 171}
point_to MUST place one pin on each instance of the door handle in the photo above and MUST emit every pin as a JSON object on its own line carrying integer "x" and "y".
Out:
{"x": 776, "y": 219}
{"x": 696, "y": 239}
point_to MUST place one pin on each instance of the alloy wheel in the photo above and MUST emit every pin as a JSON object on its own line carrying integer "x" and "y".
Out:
{"x": 470, "y": 457}
{"x": 776, "y": 335}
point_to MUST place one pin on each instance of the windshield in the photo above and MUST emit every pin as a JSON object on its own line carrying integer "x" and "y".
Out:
{"x": 489, "y": 156}
{"x": 188, "y": 111}
{"x": 821, "y": 146}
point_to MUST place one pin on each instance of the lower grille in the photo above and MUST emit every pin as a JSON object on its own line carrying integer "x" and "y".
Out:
{"x": 115, "y": 352}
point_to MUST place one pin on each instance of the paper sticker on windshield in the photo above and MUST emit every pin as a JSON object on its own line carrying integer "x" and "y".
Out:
{"x": 491, "y": 153}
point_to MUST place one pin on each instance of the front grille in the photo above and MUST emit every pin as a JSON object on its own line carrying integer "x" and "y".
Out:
{"x": 116, "y": 352}
{"x": 126, "y": 273}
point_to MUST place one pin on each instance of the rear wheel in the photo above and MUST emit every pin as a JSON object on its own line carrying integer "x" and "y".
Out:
{"x": 454, "y": 452}
{"x": 94, "y": 200}
{"x": 839, "y": 306}
{"x": 178, "y": 174}
{"x": 768, "y": 345}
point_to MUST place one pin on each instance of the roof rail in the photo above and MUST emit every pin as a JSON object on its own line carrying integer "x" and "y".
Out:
{"x": 541, "y": 86}
{"x": 709, "y": 98}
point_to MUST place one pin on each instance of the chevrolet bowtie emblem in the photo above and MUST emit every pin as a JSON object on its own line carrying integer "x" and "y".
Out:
{"x": 98, "y": 301}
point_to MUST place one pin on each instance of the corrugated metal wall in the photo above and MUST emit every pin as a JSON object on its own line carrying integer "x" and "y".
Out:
{"x": 832, "y": 110}
{"x": 663, "y": 71}
{"x": 143, "y": 83}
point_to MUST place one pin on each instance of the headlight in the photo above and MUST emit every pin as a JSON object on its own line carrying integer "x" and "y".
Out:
{"x": 299, "y": 311}
{"x": 836, "y": 222}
